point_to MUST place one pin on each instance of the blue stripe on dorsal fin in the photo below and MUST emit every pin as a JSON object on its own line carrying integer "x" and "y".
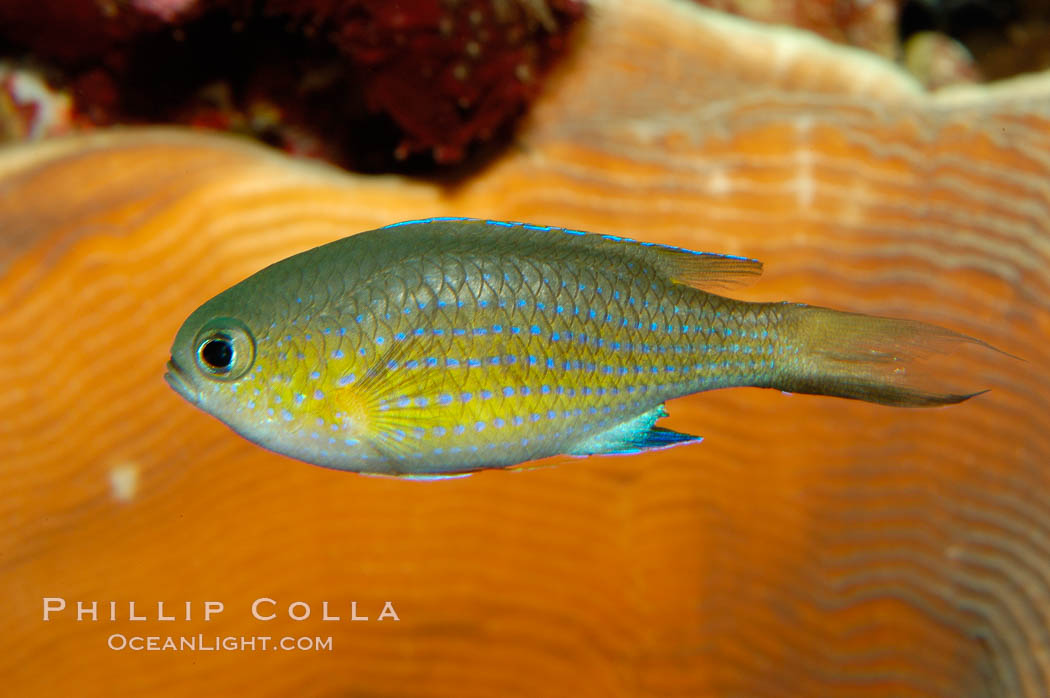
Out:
{"x": 634, "y": 436}
{"x": 438, "y": 219}
{"x": 702, "y": 270}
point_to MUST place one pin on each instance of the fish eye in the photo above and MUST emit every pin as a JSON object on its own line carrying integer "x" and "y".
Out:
{"x": 217, "y": 354}
{"x": 225, "y": 349}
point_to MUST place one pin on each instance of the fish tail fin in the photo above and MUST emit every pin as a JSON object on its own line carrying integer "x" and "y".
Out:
{"x": 865, "y": 357}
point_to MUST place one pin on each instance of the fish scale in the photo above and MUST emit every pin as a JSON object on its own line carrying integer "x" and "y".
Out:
{"x": 448, "y": 345}
{"x": 524, "y": 357}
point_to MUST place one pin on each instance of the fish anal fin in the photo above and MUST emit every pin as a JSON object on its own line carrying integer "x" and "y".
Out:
{"x": 634, "y": 436}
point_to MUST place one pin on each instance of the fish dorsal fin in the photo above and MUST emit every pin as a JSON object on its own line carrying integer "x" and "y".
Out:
{"x": 706, "y": 271}
{"x": 701, "y": 270}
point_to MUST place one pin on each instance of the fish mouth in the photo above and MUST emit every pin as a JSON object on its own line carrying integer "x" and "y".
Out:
{"x": 177, "y": 380}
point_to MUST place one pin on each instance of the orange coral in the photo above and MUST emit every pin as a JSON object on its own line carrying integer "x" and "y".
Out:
{"x": 868, "y": 24}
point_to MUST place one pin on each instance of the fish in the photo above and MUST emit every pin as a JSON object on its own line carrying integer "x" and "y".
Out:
{"x": 439, "y": 347}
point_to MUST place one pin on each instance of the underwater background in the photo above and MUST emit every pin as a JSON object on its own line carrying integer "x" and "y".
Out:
{"x": 808, "y": 547}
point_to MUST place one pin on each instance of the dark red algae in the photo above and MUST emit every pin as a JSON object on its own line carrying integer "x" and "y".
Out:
{"x": 369, "y": 84}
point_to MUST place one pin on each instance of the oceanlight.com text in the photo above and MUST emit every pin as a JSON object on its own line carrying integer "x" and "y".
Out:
{"x": 217, "y": 643}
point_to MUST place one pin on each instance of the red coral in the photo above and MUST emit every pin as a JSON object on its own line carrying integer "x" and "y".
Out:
{"x": 76, "y": 31}
{"x": 448, "y": 73}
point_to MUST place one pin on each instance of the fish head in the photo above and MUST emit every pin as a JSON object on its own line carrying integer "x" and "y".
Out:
{"x": 279, "y": 371}
{"x": 214, "y": 361}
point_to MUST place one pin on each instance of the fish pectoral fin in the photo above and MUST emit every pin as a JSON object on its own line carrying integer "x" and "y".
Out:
{"x": 634, "y": 436}
{"x": 392, "y": 402}
{"x": 397, "y": 427}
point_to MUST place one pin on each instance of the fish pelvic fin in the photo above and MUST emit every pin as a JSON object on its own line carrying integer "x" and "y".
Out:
{"x": 634, "y": 436}
{"x": 864, "y": 357}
